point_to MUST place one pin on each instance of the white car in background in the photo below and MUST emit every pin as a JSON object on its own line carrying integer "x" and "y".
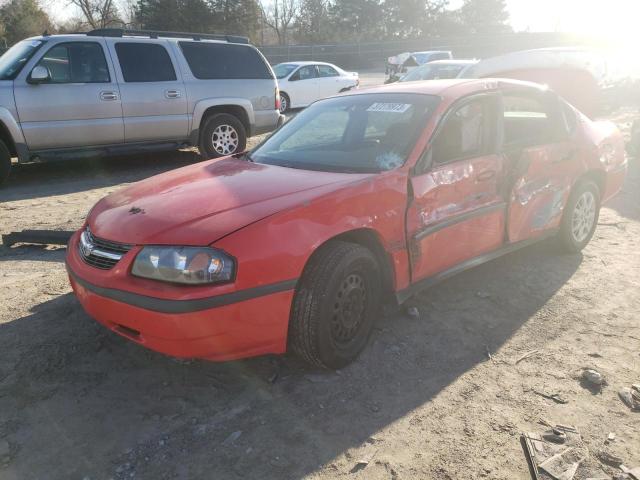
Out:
{"x": 302, "y": 83}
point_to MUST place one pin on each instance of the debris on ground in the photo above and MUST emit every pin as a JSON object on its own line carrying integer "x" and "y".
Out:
{"x": 593, "y": 376}
{"x": 38, "y": 237}
{"x": 610, "y": 438}
{"x": 631, "y": 396}
{"x": 364, "y": 460}
{"x": 556, "y": 397}
{"x": 526, "y": 355}
{"x": 559, "y": 459}
{"x": 609, "y": 459}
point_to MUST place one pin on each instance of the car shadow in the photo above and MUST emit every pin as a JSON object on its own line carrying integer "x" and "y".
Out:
{"x": 37, "y": 180}
{"x": 68, "y": 385}
{"x": 37, "y": 253}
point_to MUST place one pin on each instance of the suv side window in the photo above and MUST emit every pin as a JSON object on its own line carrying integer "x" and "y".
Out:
{"x": 464, "y": 134}
{"x": 327, "y": 71}
{"x": 211, "y": 61}
{"x": 145, "y": 62}
{"x": 76, "y": 62}
{"x": 304, "y": 73}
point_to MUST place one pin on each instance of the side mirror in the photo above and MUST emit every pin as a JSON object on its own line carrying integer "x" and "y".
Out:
{"x": 38, "y": 75}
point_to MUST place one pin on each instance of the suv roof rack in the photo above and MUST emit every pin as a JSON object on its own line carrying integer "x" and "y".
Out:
{"x": 122, "y": 32}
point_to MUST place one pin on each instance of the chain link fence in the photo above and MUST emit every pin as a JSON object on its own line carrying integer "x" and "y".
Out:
{"x": 374, "y": 54}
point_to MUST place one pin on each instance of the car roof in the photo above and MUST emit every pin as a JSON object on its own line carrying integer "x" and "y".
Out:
{"x": 141, "y": 37}
{"x": 307, "y": 62}
{"x": 451, "y": 88}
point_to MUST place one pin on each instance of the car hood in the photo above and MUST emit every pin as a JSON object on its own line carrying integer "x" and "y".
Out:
{"x": 199, "y": 204}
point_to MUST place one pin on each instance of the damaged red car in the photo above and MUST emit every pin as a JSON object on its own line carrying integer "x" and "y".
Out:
{"x": 360, "y": 198}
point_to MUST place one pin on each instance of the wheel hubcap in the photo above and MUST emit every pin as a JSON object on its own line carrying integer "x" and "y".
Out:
{"x": 348, "y": 309}
{"x": 224, "y": 139}
{"x": 584, "y": 214}
{"x": 283, "y": 104}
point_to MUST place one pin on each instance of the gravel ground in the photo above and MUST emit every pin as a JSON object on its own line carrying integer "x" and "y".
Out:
{"x": 435, "y": 397}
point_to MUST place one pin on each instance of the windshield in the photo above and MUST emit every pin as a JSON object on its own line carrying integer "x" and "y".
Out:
{"x": 432, "y": 71}
{"x": 284, "y": 69}
{"x": 352, "y": 134}
{"x": 16, "y": 57}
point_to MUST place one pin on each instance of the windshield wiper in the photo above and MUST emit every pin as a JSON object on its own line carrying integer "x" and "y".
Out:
{"x": 244, "y": 155}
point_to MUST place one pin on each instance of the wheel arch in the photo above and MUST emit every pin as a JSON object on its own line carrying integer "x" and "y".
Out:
{"x": 7, "y": 138}
{"x": 238, "y": 107}
{"x": 599, "y": 177}
{"x": 369, "y": 239}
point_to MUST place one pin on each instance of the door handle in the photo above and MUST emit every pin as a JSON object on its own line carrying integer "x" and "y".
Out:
{"x": 108, "y": 96}
{"x": 172, "y": 93}
{"x": 485, "y": 176}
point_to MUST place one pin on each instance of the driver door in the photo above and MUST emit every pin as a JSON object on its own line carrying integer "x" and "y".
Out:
{"x": 79, "y": 105}
{"x": 457, "y": 210}
{"x": 303, "y": 87}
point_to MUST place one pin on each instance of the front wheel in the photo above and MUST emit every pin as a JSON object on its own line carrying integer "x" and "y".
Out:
{"x": 5, "y": 162}
{"x": 335, "y": 305}
{"x": 222, "y": 134}
{"x": 580, "y": 217}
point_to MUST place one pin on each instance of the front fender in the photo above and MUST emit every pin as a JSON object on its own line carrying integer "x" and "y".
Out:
{"x": 279, "y": 246}
{"x": 203, "y": 105}
{"x": 12, "y": 126}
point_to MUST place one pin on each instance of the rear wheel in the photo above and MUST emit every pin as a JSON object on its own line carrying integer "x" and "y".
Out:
{"x": 222, "y": 134}
{"x": 5, "y": 162}
{"x": 285, "y": 103}
{"x": 580, "y": 217}
{"x": 335, "y": 305}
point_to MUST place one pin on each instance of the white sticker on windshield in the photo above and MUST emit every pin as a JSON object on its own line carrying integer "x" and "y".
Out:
{"x": 389, "y": 107}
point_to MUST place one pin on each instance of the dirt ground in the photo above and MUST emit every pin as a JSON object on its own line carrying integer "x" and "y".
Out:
{"x": 435, "y": 397}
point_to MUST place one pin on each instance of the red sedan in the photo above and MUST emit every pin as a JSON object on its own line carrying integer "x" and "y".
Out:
{"x": 360, "y": 199}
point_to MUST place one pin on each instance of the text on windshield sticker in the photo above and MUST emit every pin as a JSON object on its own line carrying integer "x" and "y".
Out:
{"x": 389, "y": 107}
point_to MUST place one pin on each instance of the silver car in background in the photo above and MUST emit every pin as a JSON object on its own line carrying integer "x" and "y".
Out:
{"x": 114, "y": 91}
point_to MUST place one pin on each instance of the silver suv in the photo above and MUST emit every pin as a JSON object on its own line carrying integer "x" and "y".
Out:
{"x": 115, "y": 91}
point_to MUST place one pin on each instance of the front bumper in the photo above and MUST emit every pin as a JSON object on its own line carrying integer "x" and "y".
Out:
{"x": 219, "y": 327}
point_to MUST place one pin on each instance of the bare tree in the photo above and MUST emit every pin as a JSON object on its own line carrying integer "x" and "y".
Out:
{"x": 279, "y": 16}
{"x": 98, "y": 13}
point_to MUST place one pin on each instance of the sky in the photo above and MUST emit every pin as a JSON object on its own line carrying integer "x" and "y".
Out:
{"x": 618, "y": 18}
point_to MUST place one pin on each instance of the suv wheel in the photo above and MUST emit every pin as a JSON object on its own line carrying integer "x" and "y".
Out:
{"x": 580, "y": 217}
{"x": 5, "y": 162}
{"x": 285, "y": 103}
{"x": 223, "y": 134}
{"x": 335, "y": 305}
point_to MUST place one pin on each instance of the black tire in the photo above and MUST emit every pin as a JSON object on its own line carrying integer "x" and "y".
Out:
{"x": 572, "y": 237}
{"x": 230, "y": 136}
{"x": 335, "y": 305}
{"x": 5, "y": 162}
{"x": 285, "y": 102}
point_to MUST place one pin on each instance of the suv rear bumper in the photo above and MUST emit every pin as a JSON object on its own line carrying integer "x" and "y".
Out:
{"x": 267, "y": 121}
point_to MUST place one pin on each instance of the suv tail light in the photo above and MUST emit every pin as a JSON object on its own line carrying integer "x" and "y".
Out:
{"x": 277, "y": 102}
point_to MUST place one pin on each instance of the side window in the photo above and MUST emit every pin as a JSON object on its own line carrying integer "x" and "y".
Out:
{"x": 527, "y": 120}
{"x": 145, "y": 62}
{"x": 305, "y": 73}
{"x": 209, "y": 61}
{"x": 464, "y": 133}
{"x": 76, "y": 62}
{"x": 327, "y": 71}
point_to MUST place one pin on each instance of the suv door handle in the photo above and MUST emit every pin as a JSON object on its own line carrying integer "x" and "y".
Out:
{"x": 108, "y": 96}
{"x": 172, "y": 93}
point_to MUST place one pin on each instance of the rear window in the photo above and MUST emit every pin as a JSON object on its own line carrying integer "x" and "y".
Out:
{"x": 145, "y": 62}
{"x": 214, "y": 61}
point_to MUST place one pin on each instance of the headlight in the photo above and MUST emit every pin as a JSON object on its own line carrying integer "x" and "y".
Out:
{"x": 187, "y": 265}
